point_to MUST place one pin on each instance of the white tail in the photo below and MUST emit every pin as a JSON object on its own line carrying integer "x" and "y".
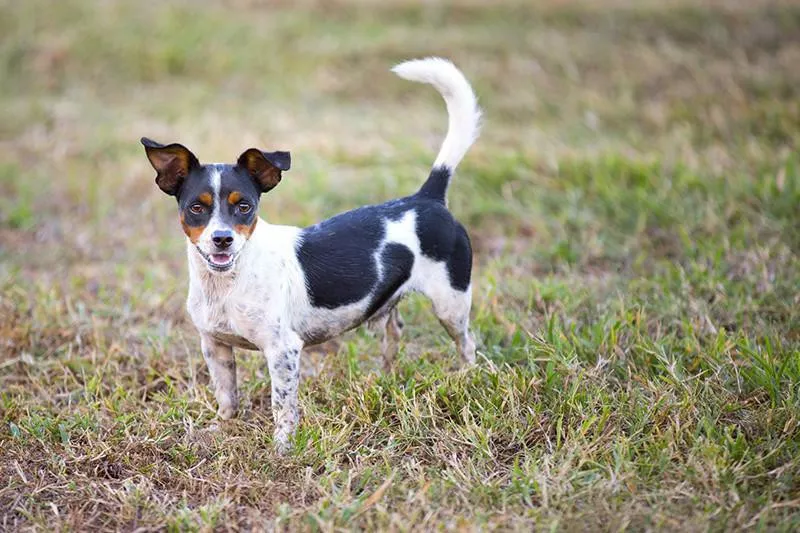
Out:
{"x": 462, "y": 106}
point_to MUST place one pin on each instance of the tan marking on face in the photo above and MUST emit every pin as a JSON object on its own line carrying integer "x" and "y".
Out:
{"x": 206, "y": 199}
{"x": 193, "y": 232}
{"x": 234, "y": 197}
{"x": 245, "y": 229}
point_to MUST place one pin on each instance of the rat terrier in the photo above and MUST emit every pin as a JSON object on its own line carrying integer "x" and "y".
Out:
{"x": 276, "y": 289}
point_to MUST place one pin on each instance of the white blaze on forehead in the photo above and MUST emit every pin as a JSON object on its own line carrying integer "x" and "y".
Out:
{"x": 215, "y": 222}
{"x": 215, "y": 180}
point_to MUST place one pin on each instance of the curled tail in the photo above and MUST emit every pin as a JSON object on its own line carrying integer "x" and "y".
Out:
{"x": 463, "y": 114}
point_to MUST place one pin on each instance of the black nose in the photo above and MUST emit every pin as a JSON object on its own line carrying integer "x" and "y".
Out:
{"x": 222, "y": 239}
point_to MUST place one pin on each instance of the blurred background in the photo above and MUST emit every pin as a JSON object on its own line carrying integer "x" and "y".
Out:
{"x": 610, "y": 126}
{"x": 637, "y": 174}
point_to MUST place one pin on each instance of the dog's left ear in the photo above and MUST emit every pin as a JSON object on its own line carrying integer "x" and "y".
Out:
{"x": 265, "y": 167}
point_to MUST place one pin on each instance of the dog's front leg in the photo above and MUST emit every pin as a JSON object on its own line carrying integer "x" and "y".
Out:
{"x": 283, "y": 359}
{"x": 222, "y": 367}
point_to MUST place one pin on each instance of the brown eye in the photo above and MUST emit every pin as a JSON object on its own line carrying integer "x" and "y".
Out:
{"x": 197, "y": 208}
{"x": 244, "y": 208}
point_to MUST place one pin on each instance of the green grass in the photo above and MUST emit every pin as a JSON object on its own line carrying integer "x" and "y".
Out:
{"x": 634, "y": 203}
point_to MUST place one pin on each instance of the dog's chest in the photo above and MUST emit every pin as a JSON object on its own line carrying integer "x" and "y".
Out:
{"x": 228, "y": 313}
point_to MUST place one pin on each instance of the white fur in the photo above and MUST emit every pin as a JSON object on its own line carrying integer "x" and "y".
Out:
{"x": 464, "y": 115}
{"x": 248, "y": 301}
{"x": 216, "y": 180}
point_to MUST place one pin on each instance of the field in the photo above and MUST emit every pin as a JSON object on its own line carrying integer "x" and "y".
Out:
{"x": 634, "y": 204}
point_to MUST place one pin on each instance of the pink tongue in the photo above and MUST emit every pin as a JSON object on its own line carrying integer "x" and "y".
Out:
{"x": 220, "y": 258}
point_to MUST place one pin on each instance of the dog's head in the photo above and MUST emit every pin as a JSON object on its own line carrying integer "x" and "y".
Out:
{"x": 218, "y": 204}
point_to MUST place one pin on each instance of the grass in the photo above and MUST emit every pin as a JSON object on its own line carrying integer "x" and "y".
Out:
{"x": 633, "y": 203}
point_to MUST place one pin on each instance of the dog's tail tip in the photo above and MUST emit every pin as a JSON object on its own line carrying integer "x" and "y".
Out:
{"x": 464, "y": 115}
{"x": 418, "y": 69}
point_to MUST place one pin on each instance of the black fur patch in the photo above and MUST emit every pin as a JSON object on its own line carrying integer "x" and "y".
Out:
{"x": 436, "y": 229}
{"x": 337, "y": 255}
{"x": 435, "y": 187}
{"x": 459, "y": 264}
{"x": 397, "y": 262}
{"x": 195, "y": 184}
{"x": 236, "y": 179}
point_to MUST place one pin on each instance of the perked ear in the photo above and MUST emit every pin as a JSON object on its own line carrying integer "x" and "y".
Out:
{"x": 172, "y": 162}
{"x": 265, "y": 167}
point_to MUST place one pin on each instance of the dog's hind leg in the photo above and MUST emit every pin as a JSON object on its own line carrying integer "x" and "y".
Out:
{"x": 391, "y": 337}
{"x": 390, "y": 325}
{"x": 452, "y": 307}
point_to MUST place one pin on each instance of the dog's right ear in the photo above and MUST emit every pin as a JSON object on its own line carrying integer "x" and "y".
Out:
{"x": 172, "y": 162}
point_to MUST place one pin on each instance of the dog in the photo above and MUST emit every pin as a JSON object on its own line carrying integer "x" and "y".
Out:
{"x": 277, "y": 289}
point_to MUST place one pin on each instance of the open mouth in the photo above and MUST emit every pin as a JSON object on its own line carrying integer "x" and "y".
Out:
{"x": 220, "y": 261}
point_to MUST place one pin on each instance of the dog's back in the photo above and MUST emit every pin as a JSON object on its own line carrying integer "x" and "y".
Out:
{"x": 363, "y": 261}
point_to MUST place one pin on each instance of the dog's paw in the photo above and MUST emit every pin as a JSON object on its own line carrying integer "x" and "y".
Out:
{"x": 282, "y": 439}
{"x": 226, "y": 412}
{"x": 282, "y": 444}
